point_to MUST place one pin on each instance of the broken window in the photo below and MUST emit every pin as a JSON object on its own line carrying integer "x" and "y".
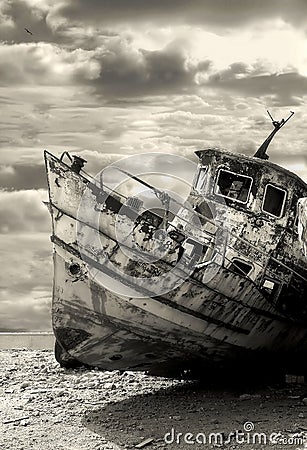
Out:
{"x": 241, "y": 267}
{"x": 234, "y": 186}
{"x": 274, "y": 200}
{"x": 201, "y": 178}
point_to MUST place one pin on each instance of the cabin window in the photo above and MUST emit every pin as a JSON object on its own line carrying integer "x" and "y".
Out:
{"x": 201, "y": 178}
{"x": 240, "y": 267}
{"x": 274, "y": 200}
{"x": 234, "y": 186}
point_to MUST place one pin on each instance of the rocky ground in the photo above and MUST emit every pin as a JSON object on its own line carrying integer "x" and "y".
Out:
{"x": 45, "y": 407}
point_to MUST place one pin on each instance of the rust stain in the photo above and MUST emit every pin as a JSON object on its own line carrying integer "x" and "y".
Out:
{"x": 243, "y": 272}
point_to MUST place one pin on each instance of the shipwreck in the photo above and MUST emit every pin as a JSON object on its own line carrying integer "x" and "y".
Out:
{"x": 217, "y": 285}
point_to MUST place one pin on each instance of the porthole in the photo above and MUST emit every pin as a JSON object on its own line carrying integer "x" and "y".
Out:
{"x": 74, "y": 269}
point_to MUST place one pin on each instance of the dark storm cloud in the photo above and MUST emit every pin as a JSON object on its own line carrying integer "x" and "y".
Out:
{"x": 224, "y": 13}
{"x": 17, "y": 16}
{"x": 286, "y": 88}
{"x": 23, "y": 16}
{"x": 22, "y": 176}
{"x": 116, "y": 69}
{"x": 126, "y": 71}
{"x": 155, "y": 72}
{"x": 119, "y": 70}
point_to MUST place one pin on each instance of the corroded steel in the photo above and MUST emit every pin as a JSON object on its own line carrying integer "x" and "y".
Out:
{"x": 241, "y": 291}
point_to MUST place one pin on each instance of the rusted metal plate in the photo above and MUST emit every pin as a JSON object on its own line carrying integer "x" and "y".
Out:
{"x": 133, "y": 292}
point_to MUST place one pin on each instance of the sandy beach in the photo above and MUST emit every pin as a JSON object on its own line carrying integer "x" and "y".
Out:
{"x": 46, "y": 407}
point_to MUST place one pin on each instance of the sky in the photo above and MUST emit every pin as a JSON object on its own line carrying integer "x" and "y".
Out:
{"x": 111, "y": 78}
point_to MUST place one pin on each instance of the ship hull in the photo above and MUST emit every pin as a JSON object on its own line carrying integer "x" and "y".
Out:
{"x": 210, "y": 321}
{"x": 99, "y": 328}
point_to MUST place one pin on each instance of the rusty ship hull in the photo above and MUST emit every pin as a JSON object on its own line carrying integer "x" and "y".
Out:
{"x": 215, "y": 317}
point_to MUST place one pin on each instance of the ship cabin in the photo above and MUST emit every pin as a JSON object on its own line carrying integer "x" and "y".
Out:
{"x": 247, "y": 184}
{"x": 255, "y": 202}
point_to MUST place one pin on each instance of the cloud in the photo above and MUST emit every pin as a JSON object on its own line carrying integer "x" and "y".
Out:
{"x": 126, "y": 71}
{"x": 26, "y": 281}
{"x": 36, "y": 16}
{"x": 187, "y": 117}
{"x": 25, "y": 250}
{"x": 285, "y": 89}
{"x": 118, "y": 69}
{"x": 203, "y": 12}
{"x": 18, "y": 15}
{"x": 24, "y": 211}
{"x": 44, "y": 64}
{"x": 296, "y": 163}
{"x": 22, "y": 176}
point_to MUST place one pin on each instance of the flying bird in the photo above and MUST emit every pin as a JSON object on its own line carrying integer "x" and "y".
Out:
{"x": 28, "y": 31}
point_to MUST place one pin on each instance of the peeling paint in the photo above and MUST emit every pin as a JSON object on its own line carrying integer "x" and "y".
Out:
{"x": 217, "y": 312}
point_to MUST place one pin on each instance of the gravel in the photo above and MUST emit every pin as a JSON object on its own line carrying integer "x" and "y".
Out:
{"x": 45, "y": 407}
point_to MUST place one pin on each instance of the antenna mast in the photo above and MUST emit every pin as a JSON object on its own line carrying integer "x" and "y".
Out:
{"x": 261, "y": 152}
